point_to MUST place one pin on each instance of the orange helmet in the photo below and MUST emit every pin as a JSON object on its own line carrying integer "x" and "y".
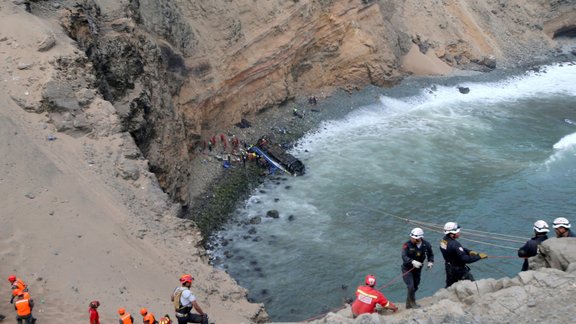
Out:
{"x": 12, "y": 278}
{"x": 370, "y": 280}
{"x": 186, "y": 278}
{"x": 121, "y": 311}
{"x": 143, "y": 311}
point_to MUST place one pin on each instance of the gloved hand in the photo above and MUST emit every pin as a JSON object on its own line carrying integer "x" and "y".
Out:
{"x": 416, "y": 264}
{"x": 430, "y": 265}
{"x": 473, "y": 253}
{"x": 482, "y": 255}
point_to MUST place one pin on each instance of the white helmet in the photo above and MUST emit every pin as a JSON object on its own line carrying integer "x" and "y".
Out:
{"x": 541, "y": 227}
{"x": 417, "y": 233}
{"x": 451, "y": 228}
{"x": 561, "y": 222}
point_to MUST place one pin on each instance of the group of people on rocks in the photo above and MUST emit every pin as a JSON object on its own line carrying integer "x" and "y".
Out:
{"x": 182, "y": 298}
{"x": 456, "y": 257}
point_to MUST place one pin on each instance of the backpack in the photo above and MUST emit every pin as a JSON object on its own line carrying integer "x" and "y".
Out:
{"x": 176, "y": 298}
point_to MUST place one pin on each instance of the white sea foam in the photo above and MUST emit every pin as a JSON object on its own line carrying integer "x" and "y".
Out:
{"x": 567, "y": 142}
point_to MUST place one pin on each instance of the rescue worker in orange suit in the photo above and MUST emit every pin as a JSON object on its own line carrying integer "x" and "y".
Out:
{"x": 187, "y": 302}
{"x": 414, "y": 252}
{"x": 147, "y": 317}
{"x": 93, "y": 311}
{"x": 367, "y": 297}
{"x": 455, "y": 256}
{"x": 16, "y": 284}
{"x": 530, "y": 249}
{"x": 125, "y": 318}
{"x": 562, "y": 228}
{"x": 16, "y": 292}
{"x": 24, "y": 305}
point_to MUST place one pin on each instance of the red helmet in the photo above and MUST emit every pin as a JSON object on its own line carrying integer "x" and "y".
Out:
{"x": 12, "y": 278}
{"x": 186, "y": 278}
{"x": 143, "y": 311}
{"x": 370, "y": 280}
{"x": 121, "y": 311}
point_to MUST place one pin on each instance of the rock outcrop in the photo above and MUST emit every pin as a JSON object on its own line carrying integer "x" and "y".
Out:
{"x": 544, "y": 294}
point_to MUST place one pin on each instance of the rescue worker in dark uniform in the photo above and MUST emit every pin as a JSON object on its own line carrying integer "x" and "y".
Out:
{"x": 455, "y": 256}
{"x": 562, "y": 228}
{"x": 414, "y": 252}
{"x": 530, "y": 249}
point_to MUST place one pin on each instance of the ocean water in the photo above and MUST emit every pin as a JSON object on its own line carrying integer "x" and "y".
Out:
{"x": 494, "y": 160}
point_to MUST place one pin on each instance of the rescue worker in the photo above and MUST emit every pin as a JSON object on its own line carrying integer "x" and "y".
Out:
{"x": 184, "y": 301}
{"x": 24, "y": 305}
{"x": 125, "y": 318}
{"x": 16, "y": 292}
{"x": 17, "y": 282}
{"x": 367, "y": 297}
{"x": 414, "y": 252}
{"x": 93, "y": 311}
{"x": 147, "y": 317}
{"x": 562, "y": 228}
{"x": 530, "y": 249}
{"x": 455, "y": 256}
{"x": 17, "y": 285}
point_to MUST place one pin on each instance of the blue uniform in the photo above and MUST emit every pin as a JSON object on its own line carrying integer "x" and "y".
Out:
{"x": 530, "y": 249}
{"x": 418, "y": 252}
{"x": 455, "y": 258}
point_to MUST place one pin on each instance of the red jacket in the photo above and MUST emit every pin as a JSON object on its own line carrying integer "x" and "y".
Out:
{"x": 94, "y": 317}
{"x": 366, "y": 299}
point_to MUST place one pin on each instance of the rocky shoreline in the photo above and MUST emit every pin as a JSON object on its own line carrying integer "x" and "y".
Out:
{"x": 224, "y": 189}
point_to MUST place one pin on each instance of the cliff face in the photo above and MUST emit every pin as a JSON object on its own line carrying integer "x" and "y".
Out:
{"x": 179, "y": 72}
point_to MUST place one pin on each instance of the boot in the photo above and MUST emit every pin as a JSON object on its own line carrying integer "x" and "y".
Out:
{"x": 411, "y": 299}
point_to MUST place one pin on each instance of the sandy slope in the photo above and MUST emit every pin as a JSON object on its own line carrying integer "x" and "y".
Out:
{"x": 70, "y": 227}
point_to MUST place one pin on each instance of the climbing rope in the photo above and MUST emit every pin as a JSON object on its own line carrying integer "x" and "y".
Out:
{"x": 440, "y": 229}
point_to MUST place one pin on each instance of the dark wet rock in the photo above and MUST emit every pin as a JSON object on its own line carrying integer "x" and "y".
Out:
{"x": 288, "y": 187}
{"x": 464, "y": 90}
{"x": 276, "y": 199}
{"x": 256, "y": 220}
{"x": 252, "y": 230}
{"x": 291, "y": 218}
{"x": 273, "y": 213}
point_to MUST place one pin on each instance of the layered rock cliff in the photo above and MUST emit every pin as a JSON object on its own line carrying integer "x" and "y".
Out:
{"x": 180, "y": 72}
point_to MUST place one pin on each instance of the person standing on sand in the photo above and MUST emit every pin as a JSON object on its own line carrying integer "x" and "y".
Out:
{"x": 147, "y": 317}
{"x": 93, "y": 310}
{"x": 17, "y": 286}
{"x": 125, "y": 318}
{"x": 23, "y": 306}
{"x": 184, "y": 301}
